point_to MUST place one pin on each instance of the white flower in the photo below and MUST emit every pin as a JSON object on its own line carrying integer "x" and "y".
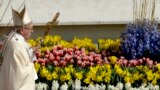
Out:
{"x": 45, "y": 86}
{"x": 127, "y": 86}
{"x": 77, "y": 84}
{"x": 39, "y": 86}
{"x": 85, "y": 88}
{"x": 55, "y": 85}
{"x": 115, "y": 88}
{"x": 110, "y": 87}
{"x": 119, "y": 86}
{"x": 91, "y": 87}
{"x": 150, "y": 86}
{"x": 156, "y": 87}
{"x": 102, "y": 87}
{"x": 64, "y": 87}
{"x": 97, "y": 87}
{"x": 142, "y": 87}
{"x": 70, "y": 82}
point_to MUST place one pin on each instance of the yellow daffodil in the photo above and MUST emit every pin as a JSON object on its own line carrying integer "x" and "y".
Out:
{"x": 37, "y": 66}
{"x": 87, "y": 80}
{"x": 63, "y": 78}
{"x": 150, "y": 75}
{"x": 99, "y": 79}
{"x": 44, "y": 72}
{"x": 79, "y": 75}
{"x": 154, "y": 81}
{"x": 113, "y": 59}
{"x": 107, "y": 79}
{"x": 54, "y": 75}
{"x": 68, "y": 76}
{"x": 127, "y": 79}
{"x": 49, "y": 76}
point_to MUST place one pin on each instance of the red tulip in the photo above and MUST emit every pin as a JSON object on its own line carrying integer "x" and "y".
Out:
{"x": 63, "y": 63}
{"x": 58, "y": 58}
{"x": 91, "y": 64}
{"x": 38, "y": 54}
{"x": 71, "y": 61}
{"x": 59, "y": 47}
{"x": 47, "y": 51}
{"x": 47, "y": 56}
{"x": 75, "y": 48}
{"x": 83, "y": 64}
{"x": 79, "y": 62}
{"x": 56, "y": 63}
{"x": 78, "y": 53}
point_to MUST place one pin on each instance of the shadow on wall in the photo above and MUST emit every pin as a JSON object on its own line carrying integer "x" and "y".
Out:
{"x": 68, "y": 32}
{"x": 94, "y": 32}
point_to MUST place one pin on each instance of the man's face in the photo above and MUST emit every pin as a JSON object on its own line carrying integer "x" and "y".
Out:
{"x": 27, "y": 31}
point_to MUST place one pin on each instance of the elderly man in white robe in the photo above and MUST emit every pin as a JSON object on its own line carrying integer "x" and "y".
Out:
{"x": 17, "y": 71}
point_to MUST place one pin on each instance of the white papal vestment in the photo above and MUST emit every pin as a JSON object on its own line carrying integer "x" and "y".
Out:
{"x": 17, "y": 72}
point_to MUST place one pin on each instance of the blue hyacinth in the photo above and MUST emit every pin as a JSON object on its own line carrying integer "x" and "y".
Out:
{"x": 141, "y": 38}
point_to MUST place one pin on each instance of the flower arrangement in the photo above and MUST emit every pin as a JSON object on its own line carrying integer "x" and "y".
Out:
{"x": 64, "y": 67}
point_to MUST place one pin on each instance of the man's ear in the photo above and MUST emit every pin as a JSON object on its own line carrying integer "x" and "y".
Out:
{"x": 21, "y": 31}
